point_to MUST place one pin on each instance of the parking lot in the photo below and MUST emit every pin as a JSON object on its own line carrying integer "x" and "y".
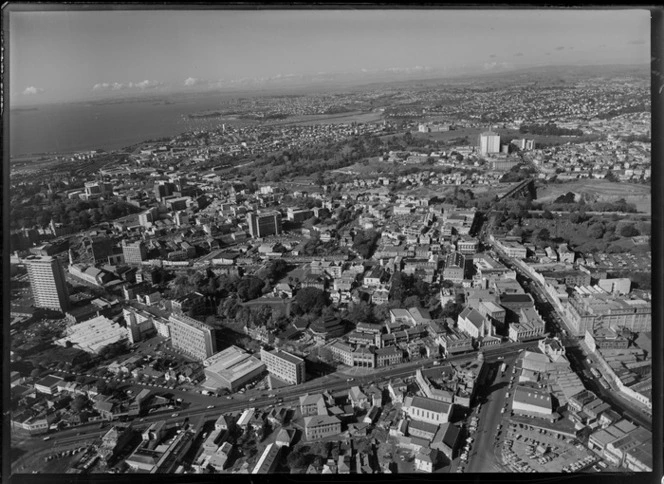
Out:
{"x": 529, "y": 449}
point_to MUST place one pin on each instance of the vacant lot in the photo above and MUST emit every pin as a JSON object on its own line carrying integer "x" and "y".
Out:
{"x": 601, "y": 191}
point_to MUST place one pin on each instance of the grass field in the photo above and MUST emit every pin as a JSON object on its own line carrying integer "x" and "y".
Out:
{"x": 601, "y": 191}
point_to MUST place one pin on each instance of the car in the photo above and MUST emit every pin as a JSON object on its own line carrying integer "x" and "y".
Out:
{"x": 209, "y": 407}
{"x": 271, "y": 395}
{"x": 350, "y": 379}
{"x": 252, "y": 399}
{"x": 175, "y": 415}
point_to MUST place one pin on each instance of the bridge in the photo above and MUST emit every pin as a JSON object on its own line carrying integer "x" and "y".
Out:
{"x": 525, "y": 188}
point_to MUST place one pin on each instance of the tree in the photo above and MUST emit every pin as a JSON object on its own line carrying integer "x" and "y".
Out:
{"x": 629, "y": 231}
{"x": 547, "y": 215}
{"x": 296, "y": 460}
{"x": 250, "y": 287}
{"x": 596, "y": 230}
{"x": 544, "y": 234}
{"x": 311, "y": 300}
{"x": 78, "y": 403}
{"x": 359, "y": 312}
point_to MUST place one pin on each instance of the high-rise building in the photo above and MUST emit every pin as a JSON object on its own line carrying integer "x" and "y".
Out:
{"x": 192, "y": 337}
{"x": 489, "y": 143}
{"x": 48, "y": 283}
{"x": 135, "y": 252}
{"x": 264, "y": 224}
{"x": 283, "y": 365}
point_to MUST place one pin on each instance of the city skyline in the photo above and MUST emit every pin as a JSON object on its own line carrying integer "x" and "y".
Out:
{"x": 63, "y": 56}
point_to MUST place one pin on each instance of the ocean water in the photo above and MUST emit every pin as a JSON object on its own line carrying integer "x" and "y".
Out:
{"x": 66, "y": 128}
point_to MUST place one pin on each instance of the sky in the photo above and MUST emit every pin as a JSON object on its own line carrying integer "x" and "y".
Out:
{"x": 62, "y": 56}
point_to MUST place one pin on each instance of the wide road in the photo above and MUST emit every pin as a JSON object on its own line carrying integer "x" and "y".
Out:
{"x": 492, "y": 397}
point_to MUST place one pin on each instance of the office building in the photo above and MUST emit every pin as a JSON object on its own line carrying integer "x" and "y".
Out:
{"x": 48, "y": 283}
{"x": 135, "y": 252}
{"x": 489, "y": 143}
{"x": 264, "y": 224}
{"x": 284, "y": 366}
{"x": 192, "y": 337}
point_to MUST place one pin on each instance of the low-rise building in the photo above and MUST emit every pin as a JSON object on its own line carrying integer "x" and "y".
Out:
{"x": 321, "y": 426}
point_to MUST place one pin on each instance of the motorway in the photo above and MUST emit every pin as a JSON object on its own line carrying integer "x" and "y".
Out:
{"x": 239, "y": 402}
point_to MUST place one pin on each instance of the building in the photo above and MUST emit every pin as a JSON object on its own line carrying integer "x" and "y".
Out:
{"x": 467, "y": 245}
{"x": 447, "y": 440}
{"x": 94, "y": 334}
{"x": 284, "y": 366}
{"x": 327, "y": 327}
{"x": 456, "y": 342}
{"x": 321, "y": 426}
{"x": 455, "y": 263}
{"x": 427, "y": 410}
{"x": 312, "y": 405}
{"x": 472, "y": 322}
{"x": 532, "y": 402}
{"x": 48, "y": 385}
{"x": 134, "y": 252}
{"x": 268, "y": 460}
{"x": 192, "y": 337}
{"x": 231, "y": 368}
{"x": 489, "y": 142}
{"x": 592, "y": 312}
{"x": 388, "y": 356}
{"x": 264, "y": 224}
{"x": 48, "y": 283}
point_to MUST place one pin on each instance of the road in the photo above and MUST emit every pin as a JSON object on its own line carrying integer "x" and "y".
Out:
{"x": 482, "y": 457}
{"x": 555, "y": 325}
{"x": 240, "y": 402}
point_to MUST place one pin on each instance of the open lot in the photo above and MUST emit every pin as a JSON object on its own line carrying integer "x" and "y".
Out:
{"x": 602, "y": 191}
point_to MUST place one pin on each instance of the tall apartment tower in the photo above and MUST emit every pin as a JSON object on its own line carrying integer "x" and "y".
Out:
{"x": 135, "y": 252}
{"x": 264, "y": 224}
{"x": 48, "y": 283}
{"x": 489, "y": 143}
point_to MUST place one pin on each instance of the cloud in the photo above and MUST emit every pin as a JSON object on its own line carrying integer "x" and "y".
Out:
{"x": 492, "y": 56}
{"x": 636, "y": 42}
{"x": 518, "y": 54}
{"x": 192, "y": 81}
{"x": 32, "y": 90}
{"x": 560, "y": 47}
{"x": 117, "y": 86}
{"x": 547, "y": 53}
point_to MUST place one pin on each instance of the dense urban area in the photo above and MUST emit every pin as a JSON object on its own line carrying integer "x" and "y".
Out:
{"x": 438, "y": 277}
